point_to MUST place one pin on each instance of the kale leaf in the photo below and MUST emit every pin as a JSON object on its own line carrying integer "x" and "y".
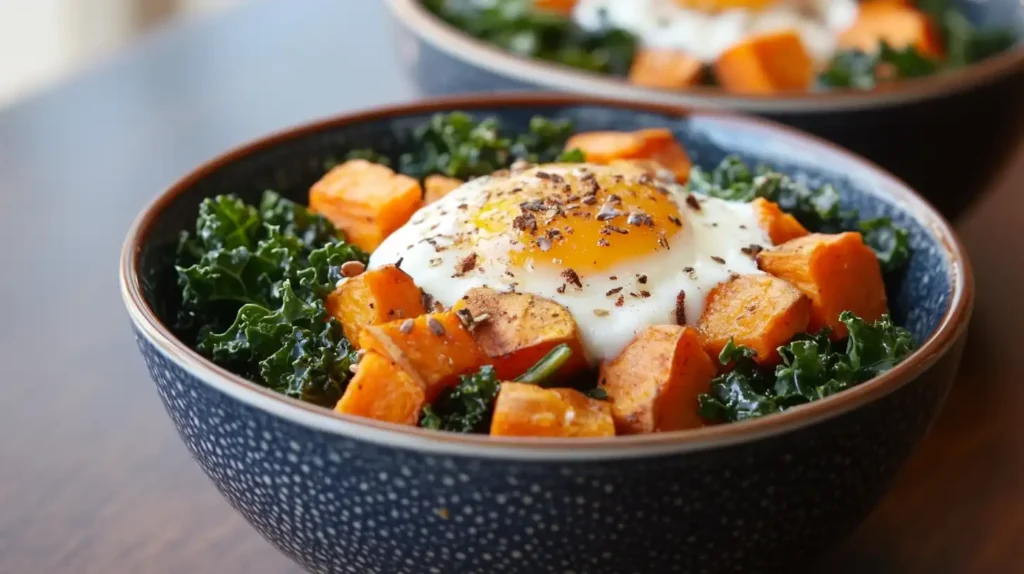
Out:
{"x": 813, "y": 367}
{"x": 252, "y": 283}
{"x": 517, "y": 27}
{"x": 817, "y": 209}
{"x": 857, "y": 69}
{"x": 458, "y": 146}
{"x": 467, "y": 407}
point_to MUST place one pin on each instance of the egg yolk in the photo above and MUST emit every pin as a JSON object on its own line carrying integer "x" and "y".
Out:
{"x": 584, "y": 220}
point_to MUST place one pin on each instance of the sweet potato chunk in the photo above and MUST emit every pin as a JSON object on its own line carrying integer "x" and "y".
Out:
{"x": 563, "y": 7}
{"x": 656, "y": 144}
{"x": 895, "y": 24}
{"x": 438, "y": 186}
{"x": 383, "y": 391}
{"x": 366, "y": 200}
{"x": 766, "y": 64}
{"x": 374, "y": 297}
{"x": 434, "y": 348}
{"x": 529, "y": 410}
{"x": 757, "y": 311}
{"x": 668, "y": 69}
{"x": 838, "y": 272}
{"x": 718, "y": 5}
{"x": 653, "y": 384}
{"x": 780, "y": 226}
{"x": 520, "y": 329}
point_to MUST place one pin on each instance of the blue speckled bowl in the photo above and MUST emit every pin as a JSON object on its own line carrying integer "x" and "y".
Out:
{"x": 919, "y": 129}
{"x": 342, "y": 494}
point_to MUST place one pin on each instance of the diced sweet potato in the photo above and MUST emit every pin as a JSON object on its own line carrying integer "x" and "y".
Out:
{"x": 434, "y": 348}
{"x": 656, "y": 144}
{"x": 668, "y": 69}
{"x": 382, "y": 390}
{"x": 366, "y": 200}
{"x": 520, "y": 329}
{"x": 374, "y": 297}
{"x": 766, "y": 64}
{"x": 896, "y": 24}
{"x": 780, "y": 226}
{"x": 653, "y": 384}
{"x": 838, "y": 272}
{"x": 438, "y": 186}
{"x": 528, "y": 410}
{"x": 757, "y": 311}
{"x": 563, "y": 7}
{"x": 719, "y": 5}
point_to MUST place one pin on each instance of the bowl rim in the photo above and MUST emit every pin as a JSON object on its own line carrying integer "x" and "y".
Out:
{"x": 951, "y": 327}
{"x": 461, "y": 46}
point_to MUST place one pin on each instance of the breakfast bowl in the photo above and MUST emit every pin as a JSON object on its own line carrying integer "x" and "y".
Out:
{"x": 968, "y": 117}
{"x": 342, "y": 493}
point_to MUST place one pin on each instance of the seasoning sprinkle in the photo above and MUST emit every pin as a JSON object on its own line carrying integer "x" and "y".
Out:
{"x": 718, "y": 260}
{"x": 692, "y": 203}
{"x": 603, "y": 242}
{"x": 465, "y": 265}
{"x": 641, "y": 279}
{"x": 589, "y": 199}
{"x": 675, "y": 221}
{"x": 435, "y": 262}
{"x": 561, "y": 288}
{"x": 681, "y": 308}
{"x": 435, "y": 326}
{"x": 543, "y": 175}
{"x": 614, "y": 291}
{"x": 640, "y": 218}
{"x": 532, "y": 205}
{"x": 608, "y": 212}
{"x": 620, "y": 301}
{"x": 617, "y": 229}
{"x": 601, "y": 312}
{"x": 752, "y": 250}
{"x": 352, "y": 268}
{"x": 572, "y": 277}
{"x": 525, "y": 222}
{"x": 406, "y": 327}
{"x": 663, "y": 240}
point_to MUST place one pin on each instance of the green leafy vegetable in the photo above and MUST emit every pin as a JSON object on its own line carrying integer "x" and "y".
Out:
{"x": 857, "y": 69}
{"x": 812, "y": 368}
{"x": 817, "y": 209}
{"x": 515, "y": 26}
{"x": 252, "y": 283}
{"x": 467, "y": 407}
{"x": 458, "y": 146}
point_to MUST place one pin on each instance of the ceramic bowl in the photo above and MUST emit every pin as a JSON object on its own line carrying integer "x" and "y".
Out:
{"x": 946, "y": 135}
{"x": 343, "y": 494}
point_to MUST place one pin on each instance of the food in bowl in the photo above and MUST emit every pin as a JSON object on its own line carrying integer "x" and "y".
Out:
{"x": 743, "y": 46}
{"x": 548, "y": 283}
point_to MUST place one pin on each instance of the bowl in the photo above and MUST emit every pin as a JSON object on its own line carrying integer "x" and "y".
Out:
{"x": 970, "y": 120}
{"x": 343, "y": 494}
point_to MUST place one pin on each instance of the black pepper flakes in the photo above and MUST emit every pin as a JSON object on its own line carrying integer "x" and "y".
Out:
{"x": 398, "y": 264}
{"x": 641, "y": 279}
{"x": 525, "y": 222}
{"x": 616, "y": 229}
{"x": 681, "y": 308}
{"x": 644, "y": 294}
{"x": 543, "y": 175}
{"x": 640, "y": 218}
{"x": 465, "y": 265}
{"x": 692, "y": 202}
{"x": 608, "y": 212}
{"x": 675, "y": 221}
{"x": 663, "y": 240}
{"x": 561, "y": 288}
{"x": 718, "y": 260}
{"x": 752, "y": 250}
{"x": 603, "y": 242}
{"x": 620, "y": 301}
{"x": 572, "y": 277}
{"x": 532, "y": 205}
{"x": 614, "y": 291}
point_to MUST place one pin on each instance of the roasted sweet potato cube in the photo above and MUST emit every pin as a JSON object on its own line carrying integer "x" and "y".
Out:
{"x": 563, "y": 7}
{"x": 718, "y": 5}
{"x": 656, "y": 144}
{"x": 374, "y": 297}
{"x": 528, "y": 410}
{"x": 667, "y": 69}
{"x": 383, "y": 391}
{"x": 434, "y": 348}
{"x": 653, "y": 384}
{"x": 438, "y": 186}
{"x": 766, "y": 64}
{"x": 757, "y": 311}
{"x": 520, "y": 329}
{"x": 838, "y": 272}
{"x": 894, "y": 23}
{"x": 780, "y": 226}
{"x": 366, "y": 200}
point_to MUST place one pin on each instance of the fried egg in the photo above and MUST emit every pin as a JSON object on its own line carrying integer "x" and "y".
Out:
{"x": 704, "y": 34}
{"x": 618, "y": 249}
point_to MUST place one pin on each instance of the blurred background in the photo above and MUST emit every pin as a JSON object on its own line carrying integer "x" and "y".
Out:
{"x": 42, "y": 41}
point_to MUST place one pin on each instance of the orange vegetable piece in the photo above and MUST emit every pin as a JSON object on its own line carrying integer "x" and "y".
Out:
{"x": 838, "y": 272}
{"x": 656, "y": 144}
{"x": 374, "y": 297}
{"x": 528, "y": 410}
{"x": 653, "y": 384}
{"x": 366, "y": 200}
{"x": 781, "y": 226}
{"x": 563, "y": 7}
{"x": 438, "y": 186}
{"x": 766, "y": 64}
{"x": 383, "y": 391}
{"x": 668, "y": 69}
{"x": 434, "y": 348}
{"x": 719, "y": 5}
{"x": 521, "y": 329}
{"x": 758, "y": 311}
{"x": 896, "y": 24}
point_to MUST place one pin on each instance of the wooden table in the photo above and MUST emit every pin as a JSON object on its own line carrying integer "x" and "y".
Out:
{"x": 93, "y": 479}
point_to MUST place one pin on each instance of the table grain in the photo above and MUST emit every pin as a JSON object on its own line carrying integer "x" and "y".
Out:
{"x": 93, "y": 479}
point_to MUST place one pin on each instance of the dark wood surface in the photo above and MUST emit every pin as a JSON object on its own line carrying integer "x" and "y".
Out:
{"x": 93, "y": 479}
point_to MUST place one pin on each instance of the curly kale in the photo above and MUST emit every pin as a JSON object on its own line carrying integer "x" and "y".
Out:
{"x": 517, "y": 27}
{"x": 813, "y": 367}
{"x": 817, "y": 209}
{"x": 252, "y": 283}
{"x": 857, "y": 69}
